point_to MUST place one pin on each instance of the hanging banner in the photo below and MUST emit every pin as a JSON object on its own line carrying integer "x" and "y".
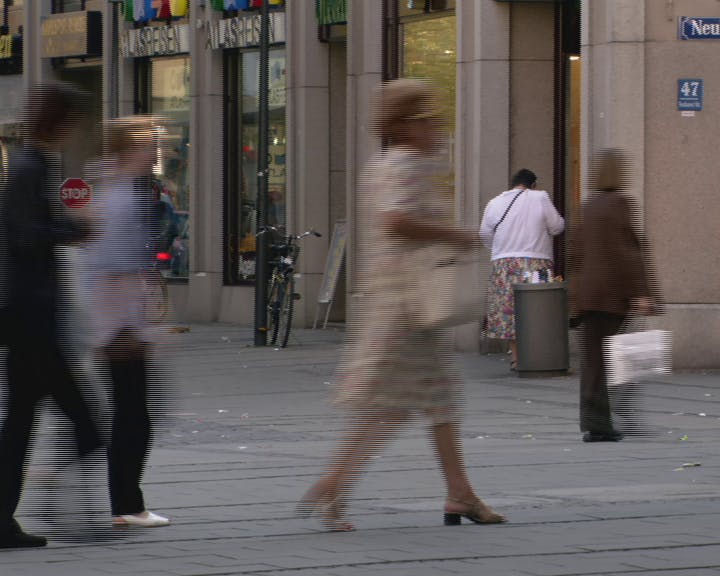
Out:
{"x": 244, "y": 31}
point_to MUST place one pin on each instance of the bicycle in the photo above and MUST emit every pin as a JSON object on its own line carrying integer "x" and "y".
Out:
{"x": 281, "y": 286}
{"x": 155, "y": 299}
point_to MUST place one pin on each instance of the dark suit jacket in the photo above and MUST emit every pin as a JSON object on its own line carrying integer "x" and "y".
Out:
{"x": 33, "y": 226}
{"x": 607, "y": 262}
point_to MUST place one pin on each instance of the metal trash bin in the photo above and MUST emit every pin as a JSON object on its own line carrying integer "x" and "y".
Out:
{"x": 541, "y": 329}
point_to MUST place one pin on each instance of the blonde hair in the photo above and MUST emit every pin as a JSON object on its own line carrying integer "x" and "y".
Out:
{"x": 400, "y": 100}
{"x": 129, "y": 132}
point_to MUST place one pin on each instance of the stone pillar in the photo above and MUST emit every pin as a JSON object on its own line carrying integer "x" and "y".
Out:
{"x": 35, "y": 68}
{"x": 483, "y": 117}
{"x": 364, "y": 74}
{"x": 308, "y": 163}
{"x": 613, "y": 106}
{"x": 206, "y": 172}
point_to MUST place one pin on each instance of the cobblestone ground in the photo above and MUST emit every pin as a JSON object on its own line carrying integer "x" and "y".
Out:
{"x": 247, "y": 430}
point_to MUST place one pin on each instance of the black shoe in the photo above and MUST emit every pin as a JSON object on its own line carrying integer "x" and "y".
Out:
{"x": 16, "y": 538}
{"x": 602, "y": 437}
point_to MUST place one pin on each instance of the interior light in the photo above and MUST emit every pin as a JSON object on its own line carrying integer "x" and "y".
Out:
{"x": 574, "y": 58}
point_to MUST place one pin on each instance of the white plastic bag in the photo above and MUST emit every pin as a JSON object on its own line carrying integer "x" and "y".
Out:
{"x": 637, "y": 356}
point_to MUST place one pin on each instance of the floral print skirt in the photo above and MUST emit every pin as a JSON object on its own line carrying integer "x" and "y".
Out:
{"x": 501, "y": 301}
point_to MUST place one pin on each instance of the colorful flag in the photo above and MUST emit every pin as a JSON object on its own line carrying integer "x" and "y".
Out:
{"x": 179, "y": 7}
{"x": 142, "y": 10}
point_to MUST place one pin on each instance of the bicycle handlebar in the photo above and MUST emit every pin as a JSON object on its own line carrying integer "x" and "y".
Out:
{"x": 310, "y": 232}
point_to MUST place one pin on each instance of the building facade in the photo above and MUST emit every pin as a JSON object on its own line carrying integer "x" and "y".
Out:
{"x": 537, "y": 84}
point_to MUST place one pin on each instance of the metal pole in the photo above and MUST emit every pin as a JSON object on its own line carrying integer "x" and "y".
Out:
{"x": 261, "y": 252}
{"x": 114, "y": 62}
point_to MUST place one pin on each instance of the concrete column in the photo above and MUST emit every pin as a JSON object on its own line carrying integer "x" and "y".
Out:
{"x": 483, "y": 116}
{"x": 532, "y": 90}
{"x": 308, "y": 163}
{"x": 613, "y": 56}
{"x": 206, "y": 172}
{"x": 35, "y": 68}
{"x": 364, "y": 76}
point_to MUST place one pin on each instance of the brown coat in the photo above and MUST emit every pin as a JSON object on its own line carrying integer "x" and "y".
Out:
{"x": 606, "y": 262}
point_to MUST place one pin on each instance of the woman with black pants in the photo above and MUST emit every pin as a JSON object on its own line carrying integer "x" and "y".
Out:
{"x": 117, "y": 259}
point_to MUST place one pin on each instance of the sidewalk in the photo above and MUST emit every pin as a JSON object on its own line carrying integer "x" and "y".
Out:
{"x": 251, "y": 428}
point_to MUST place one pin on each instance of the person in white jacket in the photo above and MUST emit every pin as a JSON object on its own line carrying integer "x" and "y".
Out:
{"x": 517, "y": 226}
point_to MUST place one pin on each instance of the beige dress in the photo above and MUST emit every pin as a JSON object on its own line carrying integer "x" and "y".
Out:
{"x": 388, "y": 364}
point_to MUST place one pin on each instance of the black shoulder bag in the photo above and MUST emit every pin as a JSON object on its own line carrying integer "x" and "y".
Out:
{"x": 507, "y": 210}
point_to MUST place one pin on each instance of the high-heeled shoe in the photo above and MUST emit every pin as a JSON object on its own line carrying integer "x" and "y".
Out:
{"x": 330, "y": 510}
{"x": 476, "y": 511}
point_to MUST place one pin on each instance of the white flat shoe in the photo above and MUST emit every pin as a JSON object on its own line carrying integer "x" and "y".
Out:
{"x": 145, "y": 519}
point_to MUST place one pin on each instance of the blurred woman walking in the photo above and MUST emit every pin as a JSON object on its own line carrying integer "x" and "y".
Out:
{"x": 118, "y": 259}
{"x": 393, "y": 369}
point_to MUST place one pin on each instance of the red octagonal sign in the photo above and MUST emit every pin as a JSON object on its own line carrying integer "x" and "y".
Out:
{"x": 75, "y": 193}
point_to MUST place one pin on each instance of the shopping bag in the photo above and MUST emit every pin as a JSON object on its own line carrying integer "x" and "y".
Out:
{"x": 449, "y": 288}
{"x": 637, "y": 356}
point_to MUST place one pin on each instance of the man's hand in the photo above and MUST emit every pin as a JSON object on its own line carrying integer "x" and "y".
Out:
{"x": 643, "y": 306}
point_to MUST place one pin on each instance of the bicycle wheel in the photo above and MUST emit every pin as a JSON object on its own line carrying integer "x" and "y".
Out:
{"x": 286, "y": 312}
{"x": 155, "y": 297}
{"x": 273, "y": 306}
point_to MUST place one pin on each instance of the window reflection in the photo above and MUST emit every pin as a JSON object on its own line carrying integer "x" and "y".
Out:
{"x": 242, "y": 160}
{"x": 170, "y": 98}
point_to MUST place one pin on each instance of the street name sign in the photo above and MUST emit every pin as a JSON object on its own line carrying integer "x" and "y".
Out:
{"x": 698, "y": 28}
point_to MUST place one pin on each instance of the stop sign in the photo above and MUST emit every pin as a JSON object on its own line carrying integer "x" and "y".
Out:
{"x": 75, "y": 193}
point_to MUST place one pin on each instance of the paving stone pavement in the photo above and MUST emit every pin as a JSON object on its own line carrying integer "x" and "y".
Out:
{"x": 246, "y": 430}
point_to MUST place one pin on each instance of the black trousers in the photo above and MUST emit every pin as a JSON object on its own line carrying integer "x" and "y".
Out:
{"x": 594, "y": 401}
{"x": 34, "y": 370}
{"x": 131, "y": 434}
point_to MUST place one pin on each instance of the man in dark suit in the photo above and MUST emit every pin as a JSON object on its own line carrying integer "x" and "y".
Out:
{"x": 609, "y": 279}
{"x": 34, "y": 226}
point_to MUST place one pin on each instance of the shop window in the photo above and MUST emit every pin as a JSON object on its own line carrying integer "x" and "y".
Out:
{"x": 61, "y": 6}
{"x": 163, "y": 89}
{"x": 420, "y": 42}
{"x": 423, "y": 7}
{"x": 241, "y": 162}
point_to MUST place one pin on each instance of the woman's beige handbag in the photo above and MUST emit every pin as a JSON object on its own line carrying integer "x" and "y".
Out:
{"x": 450, "y": 289}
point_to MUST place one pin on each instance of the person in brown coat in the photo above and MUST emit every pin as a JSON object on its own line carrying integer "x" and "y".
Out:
{"x": 609, "y": 280}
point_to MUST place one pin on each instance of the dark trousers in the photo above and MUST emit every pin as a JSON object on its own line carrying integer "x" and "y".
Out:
{"x": 131, "y": 432}
{"x": 35, "y": 370}
{"x": 594, "y": 402}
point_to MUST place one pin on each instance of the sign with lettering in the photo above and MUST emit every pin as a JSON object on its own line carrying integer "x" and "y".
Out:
{"x": 691, "y": 28}
{"x": 690, "y": 94}
{"x": 73, "y": 34}
{"x": 75, "y": 193}
{"x": 244, "y": 31}
{"x": 156, "y": 41}
{"x": 11, "y": 54}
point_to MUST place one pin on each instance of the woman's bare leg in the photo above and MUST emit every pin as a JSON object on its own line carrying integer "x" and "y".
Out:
{"x": 447, "y": 444}
{"x": 367, "y": 434}
{"x": 461, "y": 498}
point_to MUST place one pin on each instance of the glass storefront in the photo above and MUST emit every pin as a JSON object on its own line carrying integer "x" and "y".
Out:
{"x": 422, "y": 37}
{"x": 241, "y": 161}
{"x": 163, "y": 89}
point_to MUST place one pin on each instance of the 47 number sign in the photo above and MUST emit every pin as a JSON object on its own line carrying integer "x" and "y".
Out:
{"x": 690, "y": 94}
